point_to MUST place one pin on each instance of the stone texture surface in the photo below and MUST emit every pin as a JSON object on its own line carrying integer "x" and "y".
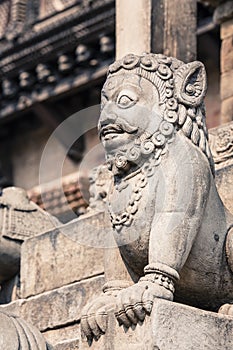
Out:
{"x": 221, "y": 145}
{"x": 171, "y": 326}
{"x": 56, "y": 308}
{"x": 227, "y": 29}
{"x": 138, "y": 14}
{"x": 167, "y": 216}
{"x": 17, "y": 334}
{"x": 62, "y": 262}
{"x": 68, "y": 345}
{"x": 60, "y": 335}
{"x": 227, "y": 110}
{"x": 226, "y": 85}
{"x": 20, "y": 219}
{"x": 224, "y": 182}
{"x": 223, "y": 12}
{"x": 227, "y": 54}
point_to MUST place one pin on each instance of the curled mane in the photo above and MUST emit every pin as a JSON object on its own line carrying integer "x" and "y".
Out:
{"x": 167, "y": 73}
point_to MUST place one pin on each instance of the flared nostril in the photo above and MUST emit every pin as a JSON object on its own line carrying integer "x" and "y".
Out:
{"x": 106, "y": 119}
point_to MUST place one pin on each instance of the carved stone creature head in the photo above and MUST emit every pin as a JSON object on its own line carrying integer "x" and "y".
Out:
{"x": 146, "y": 100}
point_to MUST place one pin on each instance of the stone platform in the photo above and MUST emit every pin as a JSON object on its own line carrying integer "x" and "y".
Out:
{"x": 171, "y": 326}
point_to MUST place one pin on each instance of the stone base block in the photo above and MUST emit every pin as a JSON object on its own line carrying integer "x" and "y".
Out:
{"x": 62, "y": 335}
{"x": 62, "y": 256}
{"x": 68, "y": 345}
{"x": 58, "y": 308}
{"x": 171, "y": 326}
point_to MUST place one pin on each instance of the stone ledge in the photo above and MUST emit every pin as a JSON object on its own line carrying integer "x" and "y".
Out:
{"x": 53, "y": 260}
{"x": 68, "y": 345}
{"x": 171, "y": 326}
{"x": 57, "y": 308}
{"x": 63, "y": 334}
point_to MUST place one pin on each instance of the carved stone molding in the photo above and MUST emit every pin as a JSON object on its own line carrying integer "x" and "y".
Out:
{"x": 18, "y": 15}
{"x": 221, "y": 144}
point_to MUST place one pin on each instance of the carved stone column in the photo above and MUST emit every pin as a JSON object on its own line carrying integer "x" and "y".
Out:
{"x": 160, "y": 26}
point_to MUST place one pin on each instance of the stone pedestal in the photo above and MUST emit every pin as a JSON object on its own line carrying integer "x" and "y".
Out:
{"x": 171, "y": 326}
{"x": 61, "y": 271}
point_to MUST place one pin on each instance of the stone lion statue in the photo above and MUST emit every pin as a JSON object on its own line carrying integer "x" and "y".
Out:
{"x": 17, "y": 334}
{"x": 20, "y": 219}
{"x": 174, "y": 235}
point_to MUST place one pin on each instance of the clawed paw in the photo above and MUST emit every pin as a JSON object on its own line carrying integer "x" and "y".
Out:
{"x": 95, "y": 316}
{"x": 135, "y": 302}
{"x": 226, "y": 309}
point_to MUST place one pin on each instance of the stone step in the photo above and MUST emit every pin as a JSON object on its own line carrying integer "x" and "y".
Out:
{"x": 68, "y": 345}
{"x": 56, "y": 308}
{"x": 171, "y": 326}
{"x": 62, "y": 256}
{"x": 63, "y": 334}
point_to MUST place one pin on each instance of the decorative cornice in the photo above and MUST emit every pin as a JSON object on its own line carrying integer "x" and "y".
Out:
{"x": 74, "y": 26}
{"x": 57, "y": 55}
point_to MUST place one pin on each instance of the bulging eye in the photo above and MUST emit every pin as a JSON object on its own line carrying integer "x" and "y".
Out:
{"x": 125, "y": 101}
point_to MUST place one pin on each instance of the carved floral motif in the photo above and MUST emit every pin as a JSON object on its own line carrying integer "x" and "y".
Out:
{"x": 221, "y": 144}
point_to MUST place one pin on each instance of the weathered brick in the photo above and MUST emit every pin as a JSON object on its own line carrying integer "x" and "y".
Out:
{"x": 59, "y": 307}
{"x": 52, "y": 260}
{"x": 227, "y": 54}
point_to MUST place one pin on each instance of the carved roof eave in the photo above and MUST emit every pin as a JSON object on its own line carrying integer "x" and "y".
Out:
{"x": 56, "y": 34}
{"x": 44, "y": 64}
{"x": 66, "y": 86}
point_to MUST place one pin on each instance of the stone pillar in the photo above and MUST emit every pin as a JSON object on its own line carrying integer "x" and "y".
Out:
{"x": 133, "y": 27}
{"x": 160, "y": 26}
{"x": 224, "y": 16}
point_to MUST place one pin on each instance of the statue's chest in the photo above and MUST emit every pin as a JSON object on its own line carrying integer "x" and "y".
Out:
{"x": 131, "y": 206}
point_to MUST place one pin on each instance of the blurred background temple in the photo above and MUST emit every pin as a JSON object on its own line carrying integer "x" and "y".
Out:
{"x": 54, "y": 55}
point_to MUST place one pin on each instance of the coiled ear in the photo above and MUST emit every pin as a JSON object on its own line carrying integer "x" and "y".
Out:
{"x": 191, "y": 84}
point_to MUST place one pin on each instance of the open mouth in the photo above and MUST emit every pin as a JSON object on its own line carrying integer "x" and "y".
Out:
{"x": 111, "y": 130}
